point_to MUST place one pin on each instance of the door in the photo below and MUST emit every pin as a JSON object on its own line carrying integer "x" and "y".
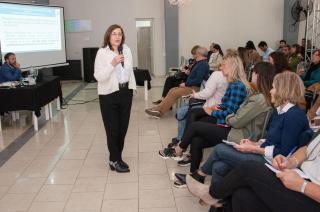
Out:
{"x": 145, "y": 44}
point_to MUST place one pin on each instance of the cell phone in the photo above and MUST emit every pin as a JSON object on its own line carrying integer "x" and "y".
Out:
{"x": 221, "y": 107}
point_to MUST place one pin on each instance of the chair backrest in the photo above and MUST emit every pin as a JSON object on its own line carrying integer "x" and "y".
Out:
{"x": 266, "y": 121}
{"x": 305, "y": 138}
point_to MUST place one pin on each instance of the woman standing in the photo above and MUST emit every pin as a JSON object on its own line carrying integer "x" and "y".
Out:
{"x": 116, "y": 82}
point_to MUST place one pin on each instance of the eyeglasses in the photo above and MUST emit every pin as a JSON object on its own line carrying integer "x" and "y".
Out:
{"x": 116, "y": 34}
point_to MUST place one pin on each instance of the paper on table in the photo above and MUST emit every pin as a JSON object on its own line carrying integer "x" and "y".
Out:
{"x": 299, "y": 172}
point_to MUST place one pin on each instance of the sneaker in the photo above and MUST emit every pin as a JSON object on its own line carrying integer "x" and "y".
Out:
{"x": 185, "y": 162}
{"x": 179, "y": 184}
{"x": 169, "y": 153}
{"x": 181, "y": 177}
{"x": 174, "y": 142}
{"x": 153, "y": 113}
{"x": 157, "y": 102}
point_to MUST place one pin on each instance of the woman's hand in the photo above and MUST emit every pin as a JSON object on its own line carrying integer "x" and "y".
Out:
{"x": 280, "y": 162}
{"x": 117, "y": 59}
{"x": 247, "y": 141}
{"x": 208, "y": 110}
{"x": 246, "y": 148}
{"x": 291, "y": 179}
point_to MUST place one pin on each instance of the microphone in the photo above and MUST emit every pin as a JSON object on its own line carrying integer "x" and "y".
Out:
{"x": 120, "y": 50}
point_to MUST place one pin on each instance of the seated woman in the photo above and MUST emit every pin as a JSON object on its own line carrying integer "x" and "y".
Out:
{"x": 175, "y": 81}
{"x": 237, "y": 91}
{"x": 199, "y": 73}
{"x": 266, "y": 191}
{"x": 279, "y": 61}
{"x": 249, "y": 121}
{"x": 215, "y": 58}
{"x": 312, "y": 75}
{"x": 286, "y": 125}
{"x": 213, "y": 92}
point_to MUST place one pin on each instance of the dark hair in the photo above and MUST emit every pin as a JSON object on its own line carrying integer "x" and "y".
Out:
{"x": 297, "y": 47}
{"x": 250, "y": 45}
{"x": 280, "y": 62}
{"x": 6, "y": 56}
{"x": 262, "y": 44}
{"x": 283, "y": 41}
{"x": 266, "y": 73}
{"x": 287, "y": 45}
{"x": 107, "y": 35}
{"x": 217, "y": 47}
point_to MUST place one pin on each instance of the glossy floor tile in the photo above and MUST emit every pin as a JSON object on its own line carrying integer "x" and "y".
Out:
{"x": 63, "y": 167}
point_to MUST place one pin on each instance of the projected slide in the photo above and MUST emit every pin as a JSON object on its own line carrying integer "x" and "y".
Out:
{"x": 25, "y": 28}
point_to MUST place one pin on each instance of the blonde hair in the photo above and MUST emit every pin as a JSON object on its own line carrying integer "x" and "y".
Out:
{"x": 289, "y": 88}
{"x": 236, "y": 68}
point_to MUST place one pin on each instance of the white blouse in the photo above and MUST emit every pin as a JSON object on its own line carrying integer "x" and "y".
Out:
{"x": 311, "y": 166}
{"x": 108, "y": 76}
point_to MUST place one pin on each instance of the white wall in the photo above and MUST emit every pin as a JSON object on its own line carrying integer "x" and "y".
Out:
{"x": 231, "y": 23}
{"x": 103, "y": 13}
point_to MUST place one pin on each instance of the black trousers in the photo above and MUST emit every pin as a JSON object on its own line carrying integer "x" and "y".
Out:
{"x": 170, "y": 82}
{"x": 254, "y": 187}
{"x": 115, "y": 110}
{"x": 196, "y": 114}
{"x": 202, "y": 134}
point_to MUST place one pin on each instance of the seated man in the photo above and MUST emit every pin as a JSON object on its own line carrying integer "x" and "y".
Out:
{"x": 199, "y": 73}
{"x": 10, "y": 70}
{"x": 265, "y": 50}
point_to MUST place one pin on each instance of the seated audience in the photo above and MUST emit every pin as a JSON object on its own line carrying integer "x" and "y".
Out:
{"x": 215, "y": 58}
{"x": 250, "y": 45}
{"x": 263, "y": 46}
{"x": 215, "y": 127}
{"x": 199, "y": 73}
{"x": 177, "y": 79}
{"x": 10, "y": 70}
{"x": 282, "y": 43}
{"x": 287, "y": 123}
{"x": 279, "y": 61}
{"x": 312, "y": 75}
{"x": 249, "y": 121}
{"x": 295, "y": 57}
{"x": 252, "y": 186}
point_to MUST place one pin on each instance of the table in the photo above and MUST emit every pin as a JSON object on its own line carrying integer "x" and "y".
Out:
{"x": 143, "y": 78}
{"x": 32, "y": 97}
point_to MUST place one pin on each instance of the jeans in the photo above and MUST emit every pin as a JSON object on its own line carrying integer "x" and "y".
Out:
{"x": 182, "y": 119}
{"x": 223, "y": 159}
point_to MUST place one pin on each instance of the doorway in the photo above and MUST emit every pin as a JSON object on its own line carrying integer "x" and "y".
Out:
{"x": 145, "y": 44}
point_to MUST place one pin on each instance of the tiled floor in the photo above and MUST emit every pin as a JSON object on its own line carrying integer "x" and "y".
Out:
{"x": 63, "y": 166}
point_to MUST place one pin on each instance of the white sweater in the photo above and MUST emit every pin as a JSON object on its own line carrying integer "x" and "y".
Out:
{"x": 214, "y": 90}
{"x": 215, "y": 61}
{"x": 105, "y": 73}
